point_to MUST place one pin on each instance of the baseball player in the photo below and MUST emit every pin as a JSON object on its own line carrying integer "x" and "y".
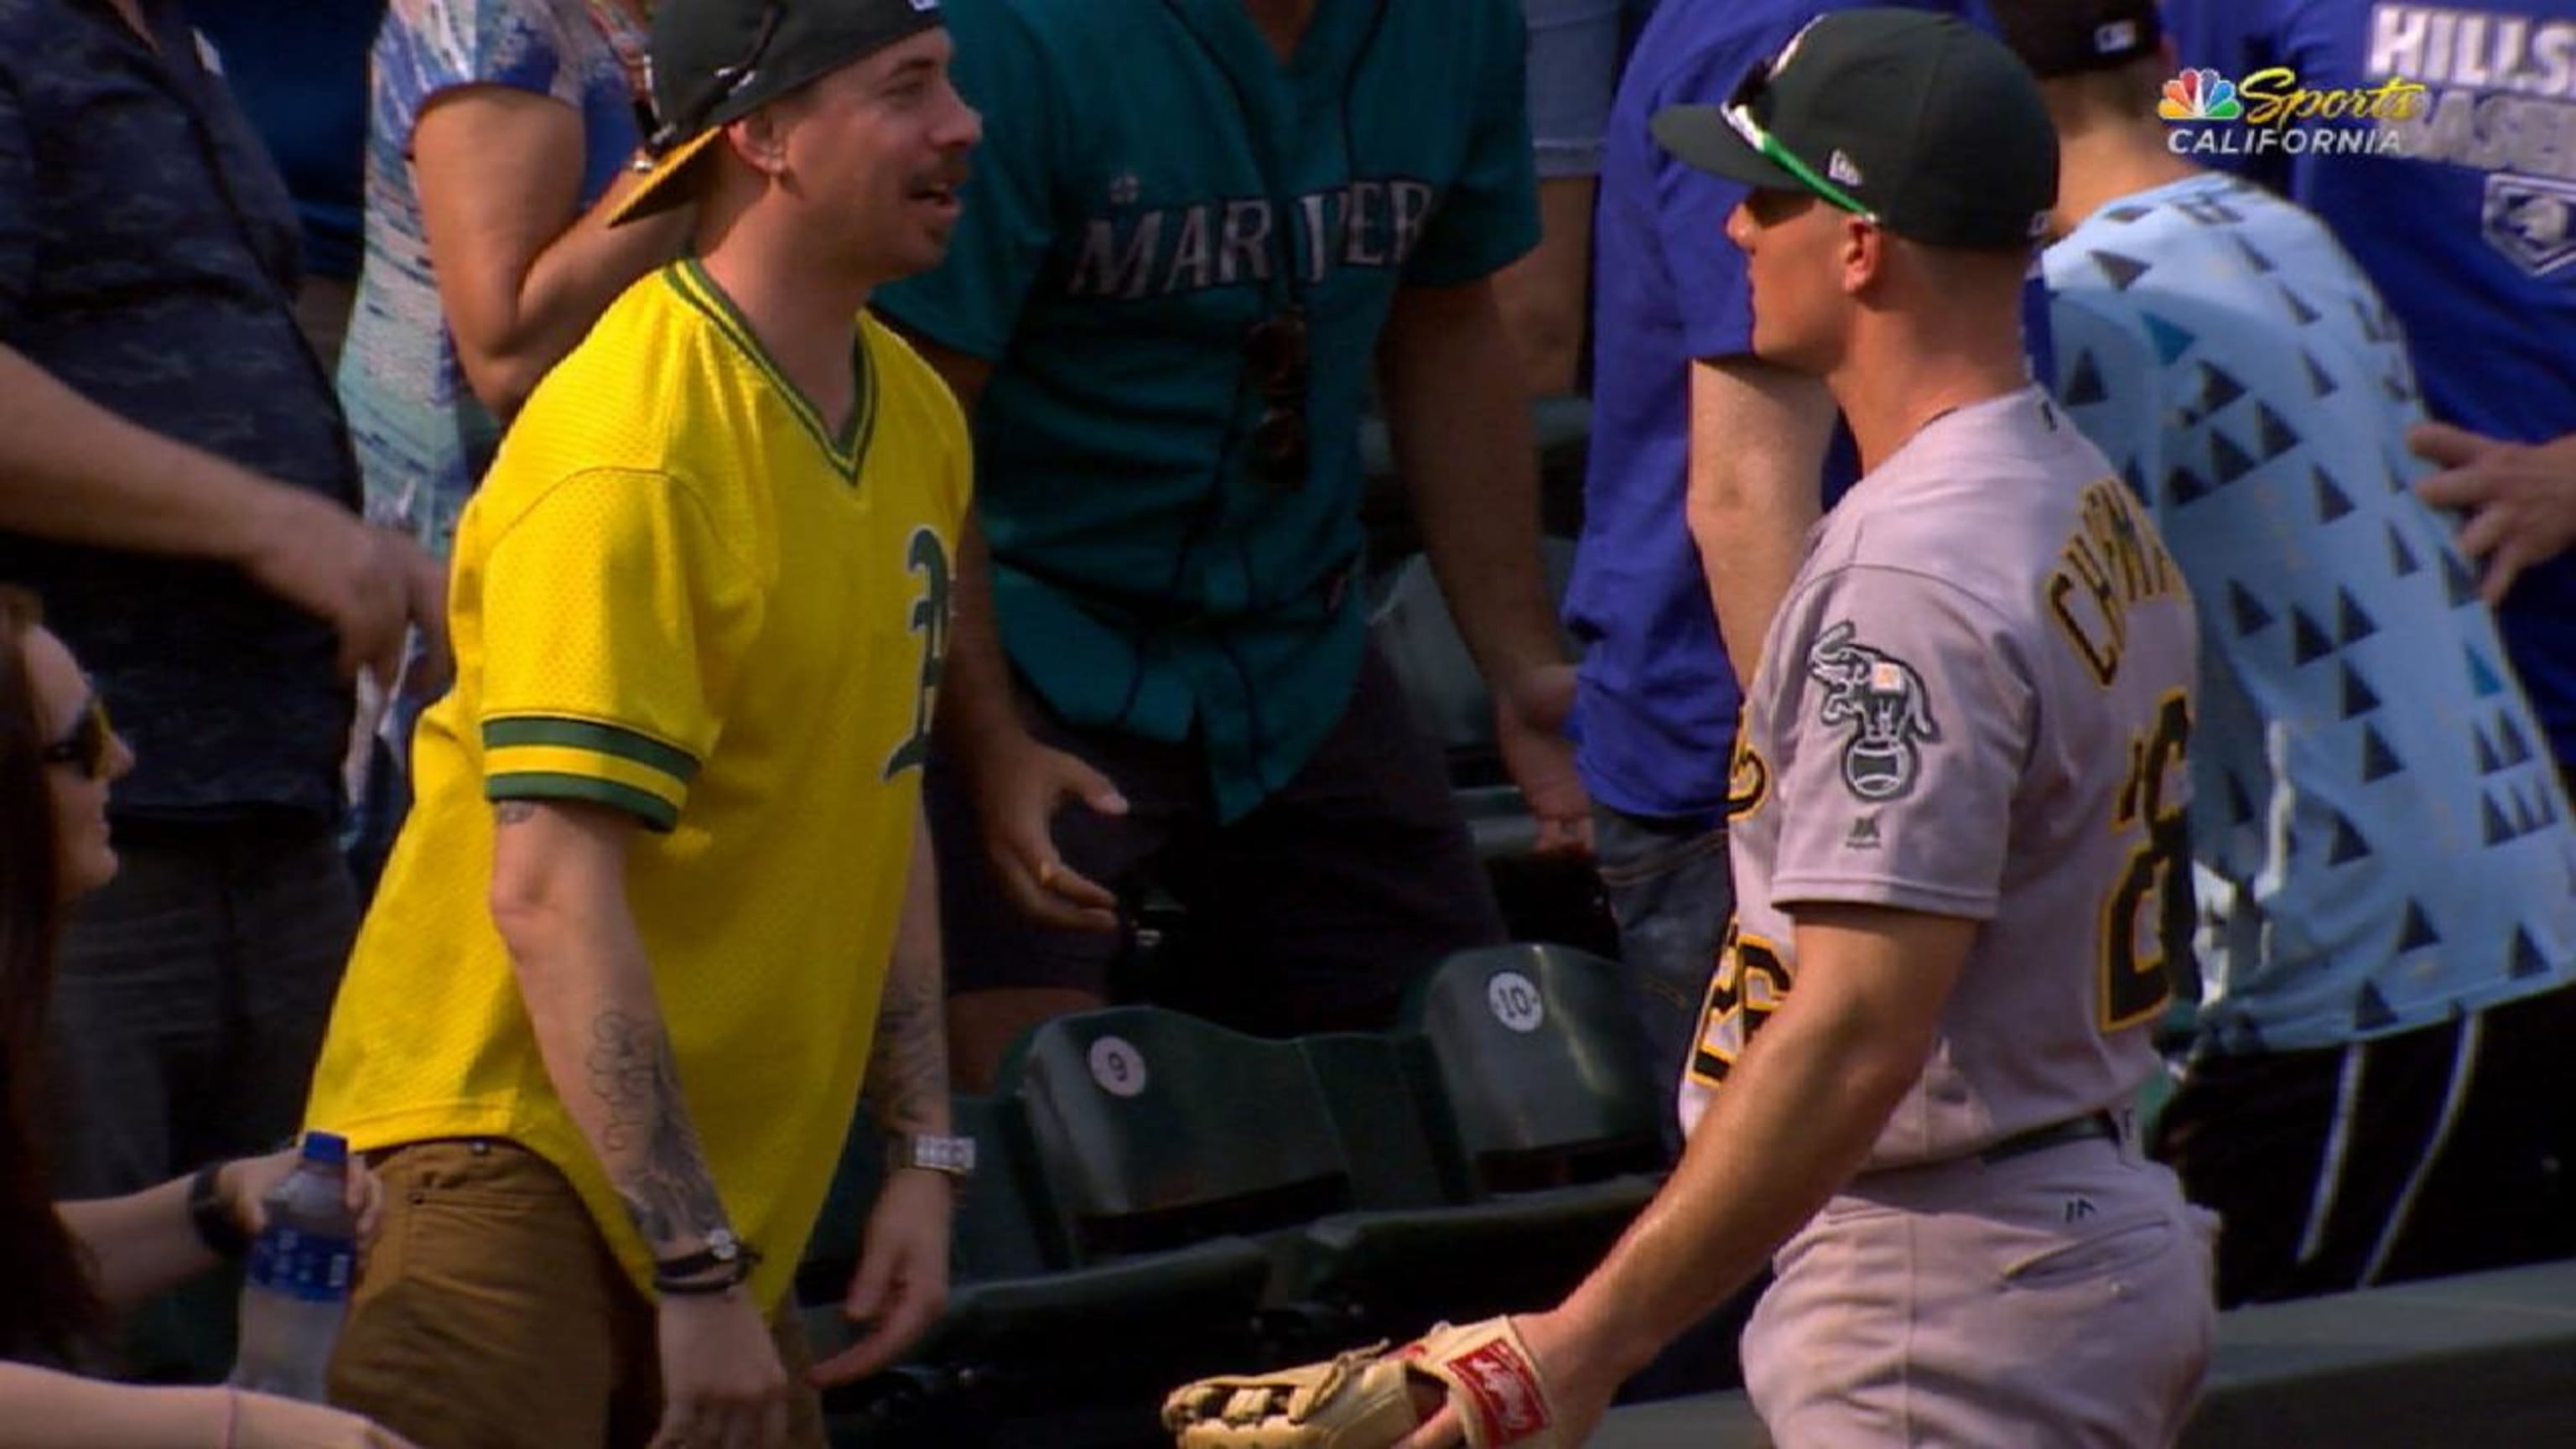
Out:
{"x": 1958, "y": 835}
{"x": 659, "y": 907}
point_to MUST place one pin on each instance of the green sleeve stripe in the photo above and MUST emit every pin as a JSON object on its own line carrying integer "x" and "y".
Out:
{"x": 599, "y": 739}
{"x": 657, "y": 813}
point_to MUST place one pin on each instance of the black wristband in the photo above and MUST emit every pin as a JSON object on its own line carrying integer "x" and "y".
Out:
{"x": 215, "y": 1227}
{"x": 725, "y": 1262}
{"x": 701, "y": 1287}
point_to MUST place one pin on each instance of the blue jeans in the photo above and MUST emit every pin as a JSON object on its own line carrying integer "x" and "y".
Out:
{"x": 1669, "y": 890}
{"x": 193, "y": 995}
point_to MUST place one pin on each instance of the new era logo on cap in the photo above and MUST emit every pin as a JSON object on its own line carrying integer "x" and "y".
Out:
{"x": 2117, "y": 38}
{"x": 1843, "y": 169}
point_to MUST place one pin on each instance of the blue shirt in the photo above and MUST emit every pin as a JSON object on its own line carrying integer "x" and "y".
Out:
{"x": 1153, "y": 186}
{"x": 2379, "y": 833}
{"x": 1654, "y": 717}
{"x": 423, "y": 438}
{"x": 2467, "y": 230}
{"x": 300, "y": 71}
{"x": 147, "y": 261}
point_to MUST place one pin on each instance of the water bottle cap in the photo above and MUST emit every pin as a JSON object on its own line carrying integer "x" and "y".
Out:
{"x": 329, "y": 1148}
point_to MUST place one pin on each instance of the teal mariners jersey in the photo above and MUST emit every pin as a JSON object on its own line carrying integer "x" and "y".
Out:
{"x": 2381, "y": 839}
{"x": 1154, "y": 185}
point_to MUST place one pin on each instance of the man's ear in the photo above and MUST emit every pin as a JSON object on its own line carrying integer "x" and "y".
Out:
{"x": 759, "y": 141}
{"x": 1862, "y": 250}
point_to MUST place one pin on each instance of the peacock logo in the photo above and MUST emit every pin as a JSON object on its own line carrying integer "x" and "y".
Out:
{"x": 2200, "y": 94}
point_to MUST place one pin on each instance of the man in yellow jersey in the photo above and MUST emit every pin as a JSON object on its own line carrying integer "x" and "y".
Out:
{"x": 662, "y": 903}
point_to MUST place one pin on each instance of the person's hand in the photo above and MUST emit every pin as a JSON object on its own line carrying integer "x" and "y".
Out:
{"x": 902, "y": 1283}
{"x": 1580, "y": 1382}
{"x": 264, "y": 1421}
{"x": 352, "y": 575}
{"x": 1529, "y": 728}
{"x": 244, "y": 1184}
{"x": 1019, "y": 785}
{"x": 433, "y": 664}
{"x": 2519, "y": 499}
{"x": 723, "y": 1386}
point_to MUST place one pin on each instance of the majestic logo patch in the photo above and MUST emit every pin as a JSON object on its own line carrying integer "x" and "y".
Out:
{"x": 1882, "y": 700}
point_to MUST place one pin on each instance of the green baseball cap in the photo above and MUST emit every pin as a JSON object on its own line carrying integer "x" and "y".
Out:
{"x": 717, "y": 61}
{"x": 1917, "y": 122}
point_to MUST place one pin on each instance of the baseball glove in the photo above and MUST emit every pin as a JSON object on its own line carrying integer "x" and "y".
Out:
{"x": 1363, "y": 1399}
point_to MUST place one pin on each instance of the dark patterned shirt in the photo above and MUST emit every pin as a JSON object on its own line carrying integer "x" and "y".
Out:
{"x": 147, "y": 261}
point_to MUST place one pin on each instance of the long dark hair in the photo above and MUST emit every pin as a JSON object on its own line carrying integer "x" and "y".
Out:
{"x": 49, "y": 1309}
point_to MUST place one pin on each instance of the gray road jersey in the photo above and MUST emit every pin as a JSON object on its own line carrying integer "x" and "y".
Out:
{"x": 1974, "y": 702}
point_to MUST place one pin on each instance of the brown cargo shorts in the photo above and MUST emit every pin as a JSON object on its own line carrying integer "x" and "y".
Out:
{"x": 490, "y": 1314}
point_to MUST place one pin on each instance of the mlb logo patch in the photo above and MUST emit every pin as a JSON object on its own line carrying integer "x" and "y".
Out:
{"x": 2532, "y": 221}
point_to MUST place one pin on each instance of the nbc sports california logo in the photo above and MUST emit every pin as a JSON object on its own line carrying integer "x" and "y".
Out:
{"x": 2267, "y": 111}
{"x": 2200, "y": 95}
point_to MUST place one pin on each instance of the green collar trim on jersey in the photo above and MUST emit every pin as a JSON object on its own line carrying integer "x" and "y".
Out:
{"x": 849, "y": 447}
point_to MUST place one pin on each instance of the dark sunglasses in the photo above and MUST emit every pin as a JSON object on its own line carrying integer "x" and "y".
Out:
{"x": 1738, "y": 113}
{"x": 690, "y": 116}
{"x": 90, "y": 747}
{"x": 1276, "y": 347}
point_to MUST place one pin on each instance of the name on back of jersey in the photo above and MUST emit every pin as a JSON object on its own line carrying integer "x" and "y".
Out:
{"x": 2113, "y": 562}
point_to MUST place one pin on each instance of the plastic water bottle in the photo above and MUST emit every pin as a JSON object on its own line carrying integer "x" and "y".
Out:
{"x": 297, "y": 1290}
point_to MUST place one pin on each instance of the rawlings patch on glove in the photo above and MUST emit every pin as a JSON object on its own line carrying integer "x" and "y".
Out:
{"x": 1364, "y": 1399}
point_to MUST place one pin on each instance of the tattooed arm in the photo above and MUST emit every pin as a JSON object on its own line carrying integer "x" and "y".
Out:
{"x": 902, "y": 1283}
{"x": 908, "y": 1062}
{"x": 559, "y": 899}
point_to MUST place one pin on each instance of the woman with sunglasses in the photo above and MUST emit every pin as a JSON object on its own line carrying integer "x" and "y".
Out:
{"x": 68, "y": 1265}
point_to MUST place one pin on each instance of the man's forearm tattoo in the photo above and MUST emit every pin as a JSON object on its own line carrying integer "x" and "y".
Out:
{"x": 655, "y": 1162}
{"x": 908, "y": 1062}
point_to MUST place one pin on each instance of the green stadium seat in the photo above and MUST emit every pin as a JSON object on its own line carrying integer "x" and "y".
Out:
{"x": 1540, "y": 1127}
{"x": 1153, "y": 1129}
{"x": 1032, "y": 1348}
{"x": 1384, "y": 1101}
{"x": 1538, "y": 1060}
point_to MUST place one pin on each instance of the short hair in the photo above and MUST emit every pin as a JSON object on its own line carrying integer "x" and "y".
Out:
{"x": 2124, "y": 92}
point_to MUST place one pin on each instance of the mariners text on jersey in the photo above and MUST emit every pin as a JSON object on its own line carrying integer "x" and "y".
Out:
{"x": 1163, "y": 251}
{"x": 2111, "y": 564}
{"x": 2504, "y": 86}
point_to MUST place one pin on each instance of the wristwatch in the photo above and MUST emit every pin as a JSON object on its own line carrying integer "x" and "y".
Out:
{"x": 952, "y": 1157}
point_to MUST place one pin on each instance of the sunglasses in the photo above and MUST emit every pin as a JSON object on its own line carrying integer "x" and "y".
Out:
{"x": 688, "y": 119}
{"x": 1738, "y": 112}
{"x": 1276, "y": 347}
{"x": 90, "y": 747}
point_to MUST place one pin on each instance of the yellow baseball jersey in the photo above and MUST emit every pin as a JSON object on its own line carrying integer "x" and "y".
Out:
{"x": 681, "y": 594}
